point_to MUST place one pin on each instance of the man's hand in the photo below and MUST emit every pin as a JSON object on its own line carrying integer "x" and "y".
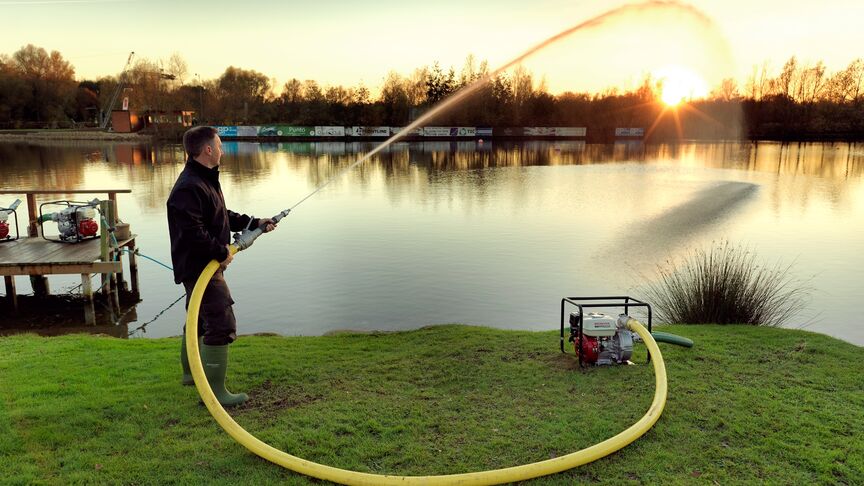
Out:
{"x": 223, "y": 265}
{"x": 266, "y": 224}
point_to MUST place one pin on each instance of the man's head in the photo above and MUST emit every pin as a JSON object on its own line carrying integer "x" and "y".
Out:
{"x": 203, "y": 144}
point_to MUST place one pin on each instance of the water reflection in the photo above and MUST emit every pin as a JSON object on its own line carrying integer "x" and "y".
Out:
{"x": 439, "y": 231}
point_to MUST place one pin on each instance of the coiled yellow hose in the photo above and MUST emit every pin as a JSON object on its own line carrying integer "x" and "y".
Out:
{"x": 506, "y": 475}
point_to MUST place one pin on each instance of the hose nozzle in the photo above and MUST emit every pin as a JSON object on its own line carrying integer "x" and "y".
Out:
{"x": 245, "y": 238}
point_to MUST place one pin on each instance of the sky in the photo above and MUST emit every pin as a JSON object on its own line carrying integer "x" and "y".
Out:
{"x": 353, "y": 42}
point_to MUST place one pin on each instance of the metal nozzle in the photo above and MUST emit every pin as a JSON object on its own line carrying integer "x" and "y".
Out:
{"x": 245, "y": 238}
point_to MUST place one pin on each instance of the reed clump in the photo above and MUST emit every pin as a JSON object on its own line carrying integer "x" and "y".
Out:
{"x": 725, "y": 284}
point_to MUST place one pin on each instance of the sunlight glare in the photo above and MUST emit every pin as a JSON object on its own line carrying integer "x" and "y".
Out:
{"x": 678, "y": 84}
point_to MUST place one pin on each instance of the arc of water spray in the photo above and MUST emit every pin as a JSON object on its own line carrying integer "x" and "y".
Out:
{"x": 476, "y": 85}
{"x": 505, "y": 475}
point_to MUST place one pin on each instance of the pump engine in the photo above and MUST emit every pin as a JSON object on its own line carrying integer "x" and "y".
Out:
{"x": 75, "y": 222}
{"x": 603, "y": 340}
{"x": 4, "y": 221}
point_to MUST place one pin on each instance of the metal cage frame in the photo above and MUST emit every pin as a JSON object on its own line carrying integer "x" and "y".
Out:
{"x": 609, "y": 301}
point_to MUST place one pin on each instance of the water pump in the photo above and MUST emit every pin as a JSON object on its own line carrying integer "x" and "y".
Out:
{"x": 76, "y": 222}
{"x": 5, "y": 233}
{"x": 602, "y": 339}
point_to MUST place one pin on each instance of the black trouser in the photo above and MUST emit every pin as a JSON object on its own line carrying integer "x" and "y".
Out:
{"x": 216, "y": 322}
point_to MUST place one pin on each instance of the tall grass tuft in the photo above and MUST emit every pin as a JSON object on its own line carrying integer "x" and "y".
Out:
{"x": 725, "y": 285}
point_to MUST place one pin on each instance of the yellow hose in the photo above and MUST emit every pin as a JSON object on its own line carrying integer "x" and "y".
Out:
{"x": 506, "y": 475}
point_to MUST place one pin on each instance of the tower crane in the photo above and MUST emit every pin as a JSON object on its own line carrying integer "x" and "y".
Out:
{"x": 106, "y": 114}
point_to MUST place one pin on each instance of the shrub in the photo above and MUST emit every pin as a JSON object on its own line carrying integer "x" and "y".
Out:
{"x": 725, "y": 285}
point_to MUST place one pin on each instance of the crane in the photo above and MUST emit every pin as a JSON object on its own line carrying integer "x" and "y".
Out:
{"x": 106, "y": 117}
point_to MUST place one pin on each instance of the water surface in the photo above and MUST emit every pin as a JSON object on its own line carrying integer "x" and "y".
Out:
{"x": 480, "y": 233}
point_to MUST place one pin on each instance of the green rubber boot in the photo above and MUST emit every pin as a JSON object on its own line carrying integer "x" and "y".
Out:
{"x": 184, "y": 361}
{"x": 215, "y": 360}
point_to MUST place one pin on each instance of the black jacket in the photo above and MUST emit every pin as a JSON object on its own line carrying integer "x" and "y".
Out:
{"x": 198, "y": 222}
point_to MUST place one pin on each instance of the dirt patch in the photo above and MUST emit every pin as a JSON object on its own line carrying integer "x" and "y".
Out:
{"x": 270, "y": 398}
{"x": 561, "y": 361}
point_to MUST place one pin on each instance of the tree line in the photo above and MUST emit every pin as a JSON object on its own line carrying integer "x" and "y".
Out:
{"x": 39, "y": 89}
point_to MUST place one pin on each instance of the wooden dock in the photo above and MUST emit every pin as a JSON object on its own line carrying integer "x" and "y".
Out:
{"x": 36, "y": 257}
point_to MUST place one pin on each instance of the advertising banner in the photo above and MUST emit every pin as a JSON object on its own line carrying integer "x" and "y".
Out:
{"x": 484, "y": 131}
{"x": 247, "y": 131}
{"x": 463, "y": 132}
{"x": 629, "y": 132}
{"x": 417, "y": 132}
{"x": 330, "y": 131}
{"x": 570, "y": 131}
{"x": 368, "y": 131}
{"x": 285, "y": 131}
{"x": 226, "y": 131}
{"x": 539, "y": 131}
{"x": 509, "y": 132}
{"x": 436, "y": 131}
{"x": 268, "y": 131}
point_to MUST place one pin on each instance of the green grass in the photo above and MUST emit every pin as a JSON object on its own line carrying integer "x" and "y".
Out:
{"x": 746, "y": 404}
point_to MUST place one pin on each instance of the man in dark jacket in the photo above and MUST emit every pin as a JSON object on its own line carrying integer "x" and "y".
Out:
{"x": 200, "y": 227}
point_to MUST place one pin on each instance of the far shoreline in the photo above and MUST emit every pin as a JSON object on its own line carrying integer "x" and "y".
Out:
{"x": 61, "y": 135}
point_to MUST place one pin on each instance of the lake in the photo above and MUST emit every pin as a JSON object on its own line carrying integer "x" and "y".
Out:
{"x": 490, "y": 233}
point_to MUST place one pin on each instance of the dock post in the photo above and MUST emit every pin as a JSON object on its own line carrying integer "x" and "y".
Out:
{"x": 133, "y": 268}
{"x": 105, "y": 256}
{"x": 38, "y": 282}
{"x": 11, "y": 295}
{"x": 33, "y": 225}
{"x": 89, "y": 308}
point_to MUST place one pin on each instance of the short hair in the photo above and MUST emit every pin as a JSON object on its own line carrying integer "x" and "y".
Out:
{"x": 196, "y": 138}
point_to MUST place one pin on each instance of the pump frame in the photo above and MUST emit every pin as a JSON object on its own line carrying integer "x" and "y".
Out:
{"x": 609, "y": 301}
{"x": 17, "y": 234}
{"x": 69, "y": 204}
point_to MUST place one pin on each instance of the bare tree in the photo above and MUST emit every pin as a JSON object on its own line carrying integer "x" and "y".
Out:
{"x": 177, "y": 66}
{"x": 759, "y": 83}
{"x": 726, "y": 91}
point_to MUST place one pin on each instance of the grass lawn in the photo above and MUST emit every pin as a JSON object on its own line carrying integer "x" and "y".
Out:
{"x": 746, "y": 405}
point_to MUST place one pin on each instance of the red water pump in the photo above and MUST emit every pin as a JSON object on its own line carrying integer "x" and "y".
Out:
{"x": 75, "y": 222}
{"x": 4, "y": 221}
{"x": 600, "y": 339}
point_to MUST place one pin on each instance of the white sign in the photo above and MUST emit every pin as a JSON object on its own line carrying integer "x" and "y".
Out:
{"x": 629, "y": 132}
{"x": 417, "y": 132}
{"x": 539, "y": 131}
{"x": 570, "y": 131}
{"x": 436, "y": 131}
{"x": 247, "y": 131}
{"x": 368, "y": 131}
{"x": 330, "y": 131}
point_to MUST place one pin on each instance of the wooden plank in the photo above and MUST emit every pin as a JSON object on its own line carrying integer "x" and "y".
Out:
{"x": 60, "y": 269}
{"x": 38, "y": 250}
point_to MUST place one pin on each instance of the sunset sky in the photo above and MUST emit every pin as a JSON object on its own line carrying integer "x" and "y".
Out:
{"x": 348, "y": 42}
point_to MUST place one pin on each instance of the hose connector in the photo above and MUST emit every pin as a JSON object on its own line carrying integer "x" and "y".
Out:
{"x": 245, "y": 238}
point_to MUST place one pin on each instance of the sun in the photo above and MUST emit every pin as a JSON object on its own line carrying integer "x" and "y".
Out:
{"x": 678, "y": 84}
